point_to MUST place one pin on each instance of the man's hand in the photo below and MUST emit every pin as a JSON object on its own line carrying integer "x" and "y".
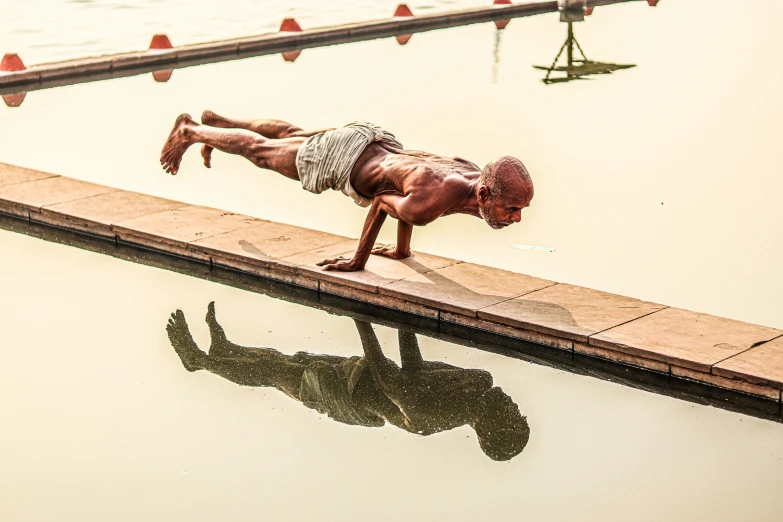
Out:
{"x": 391, "y": 251}
{"x": 340, "y": 264}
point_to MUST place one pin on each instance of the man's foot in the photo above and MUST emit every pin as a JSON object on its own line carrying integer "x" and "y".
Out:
{"x": 215, "y": 120}
{"x": 177, "y": 143}
{"x": 219, "y": 346}
{"x": 183, "y": 343}
{"x": 206, "y": 153}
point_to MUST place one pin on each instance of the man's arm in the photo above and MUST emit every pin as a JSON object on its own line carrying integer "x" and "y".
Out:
{"x": 414, "y": 209}
{"x": 372, "y": 226}
{"x": 403, "y": 247}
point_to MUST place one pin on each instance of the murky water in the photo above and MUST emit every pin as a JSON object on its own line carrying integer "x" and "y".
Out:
{"x": 657, "y": 182}
{"x": 102, "y": 418}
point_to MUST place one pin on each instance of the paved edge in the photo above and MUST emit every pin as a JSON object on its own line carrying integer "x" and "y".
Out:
{"x": 140, "y": 62}
{"x": 558, "y": 341}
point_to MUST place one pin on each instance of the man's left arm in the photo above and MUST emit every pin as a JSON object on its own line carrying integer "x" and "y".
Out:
{"x": 409, "y": 210}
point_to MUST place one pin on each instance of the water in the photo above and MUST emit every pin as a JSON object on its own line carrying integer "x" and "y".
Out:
{"x": 63, "y": 29}
{"x": 657, "y": 182}
{"x": 100, "y": 413}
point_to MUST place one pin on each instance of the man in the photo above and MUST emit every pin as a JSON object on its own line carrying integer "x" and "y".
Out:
{"x": 420, "y": 397}
{"x": 369, "y": 165}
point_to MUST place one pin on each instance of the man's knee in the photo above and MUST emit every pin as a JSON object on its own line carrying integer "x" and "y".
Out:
{"x": 260, "y": 153}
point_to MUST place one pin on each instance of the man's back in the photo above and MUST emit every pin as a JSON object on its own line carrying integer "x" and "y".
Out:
{"x": 437, "y": 181}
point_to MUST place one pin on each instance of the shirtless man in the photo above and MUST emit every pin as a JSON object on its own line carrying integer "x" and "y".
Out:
{"x": 369, "y": 165}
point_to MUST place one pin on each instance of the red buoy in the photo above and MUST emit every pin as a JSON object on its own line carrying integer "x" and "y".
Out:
{"x": 403, "y": 10}
{"x": 160, "y": 41}
{"x": 502, "y": 2}
{"x": 501, "y": 24}
{"x": 290, "y": 25}
{"x": 11, "y": 62}
{"x": 588, "y": 11}
{"x": 162, "y": 76}
{"x": 14, "y": 100}
{"x": 403, "y": 38}
{"x": 291, "y": 56}
{"x": 652, "y": 3}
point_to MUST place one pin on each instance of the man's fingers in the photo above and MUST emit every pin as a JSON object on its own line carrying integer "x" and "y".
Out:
{"x": 330, "y": 261}
{"x": 344, "y": 266}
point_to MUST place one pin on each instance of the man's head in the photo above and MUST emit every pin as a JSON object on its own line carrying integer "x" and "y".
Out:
{"x": 502, "y": 430}
{"x": 504, "y": 189}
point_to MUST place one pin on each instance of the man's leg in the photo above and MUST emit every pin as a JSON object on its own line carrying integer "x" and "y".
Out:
{"x": 269, "y": 128}
{"x": 274, "y": 154}
{"x": 260, "y": 367}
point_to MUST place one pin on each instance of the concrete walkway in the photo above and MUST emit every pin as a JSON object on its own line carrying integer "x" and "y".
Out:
{"x": 720, "y": 352}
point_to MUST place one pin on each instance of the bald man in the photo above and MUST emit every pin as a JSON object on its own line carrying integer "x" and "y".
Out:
{"x": 368, "y": 164}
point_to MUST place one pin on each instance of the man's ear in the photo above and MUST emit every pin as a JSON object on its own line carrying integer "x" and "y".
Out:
{"x": 483, "y": 194}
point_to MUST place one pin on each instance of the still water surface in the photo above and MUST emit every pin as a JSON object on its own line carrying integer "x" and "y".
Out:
{"x": 102, "y": 420}
{"x": 657, "y": 182}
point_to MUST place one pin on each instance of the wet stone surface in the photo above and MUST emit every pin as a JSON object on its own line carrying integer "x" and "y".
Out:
{"x": 574, "y": 311}
{"x": 762, "y": 364}
{"x": 33, "y": 195}
{"x": 685, "y": 338}
{"x": 11, "y": 175}
{"x": 266, "y": 242}
{"x": 464, "y": 288}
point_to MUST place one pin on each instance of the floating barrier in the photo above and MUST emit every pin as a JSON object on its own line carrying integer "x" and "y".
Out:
{"x": 160, "y": 41}
{"x": 290, "y": 25}
{"x": 501, "y": 24}
{"x": 15, "y": 77}
{"x": 402, "y": 11}
{"x": 162, "y": 76}
{"x": 14, "y": 100}
{"x": 11, "y": 63}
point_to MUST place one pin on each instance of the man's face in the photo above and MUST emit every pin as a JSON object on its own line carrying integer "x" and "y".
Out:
{"x": 500, "y": 212}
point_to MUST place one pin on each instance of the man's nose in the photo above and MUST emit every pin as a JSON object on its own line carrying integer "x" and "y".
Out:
{"x": 516, "y": 217}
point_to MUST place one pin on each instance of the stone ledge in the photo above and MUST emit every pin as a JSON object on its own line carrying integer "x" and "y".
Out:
{"x": 622, "y": 358}
{"x": 508, "y": 331}
{"x": 698, "y": 348}
{"x": 766, "y": 392}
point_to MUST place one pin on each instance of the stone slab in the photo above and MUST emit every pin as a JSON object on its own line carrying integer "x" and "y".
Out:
{"x": 620, "y": 357}
{"x": 508, "y": 331}
{"x": 378, "y": 272}
{"x": 249, "y": 266}
{"x": 568, "y": 311}
{"x": 20, "y": 198}
{"x": 464, "y": 288}
{"x": 761, "y": 365}
{"x": 97, "y": 214}
{"x": 684, "y": 338}
{"x": 266, "y": 244}
{"x": 730, "y": 384}
{"x": 11, "y": 175}
{"x": 378, "y": 300}
{"x": 171, "y": 231}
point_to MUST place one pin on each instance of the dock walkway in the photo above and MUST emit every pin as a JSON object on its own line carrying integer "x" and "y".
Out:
{"x": 715, "y": 351}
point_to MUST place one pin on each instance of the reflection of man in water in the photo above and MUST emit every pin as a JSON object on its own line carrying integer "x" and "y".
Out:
{"x": 422, "y": 397}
